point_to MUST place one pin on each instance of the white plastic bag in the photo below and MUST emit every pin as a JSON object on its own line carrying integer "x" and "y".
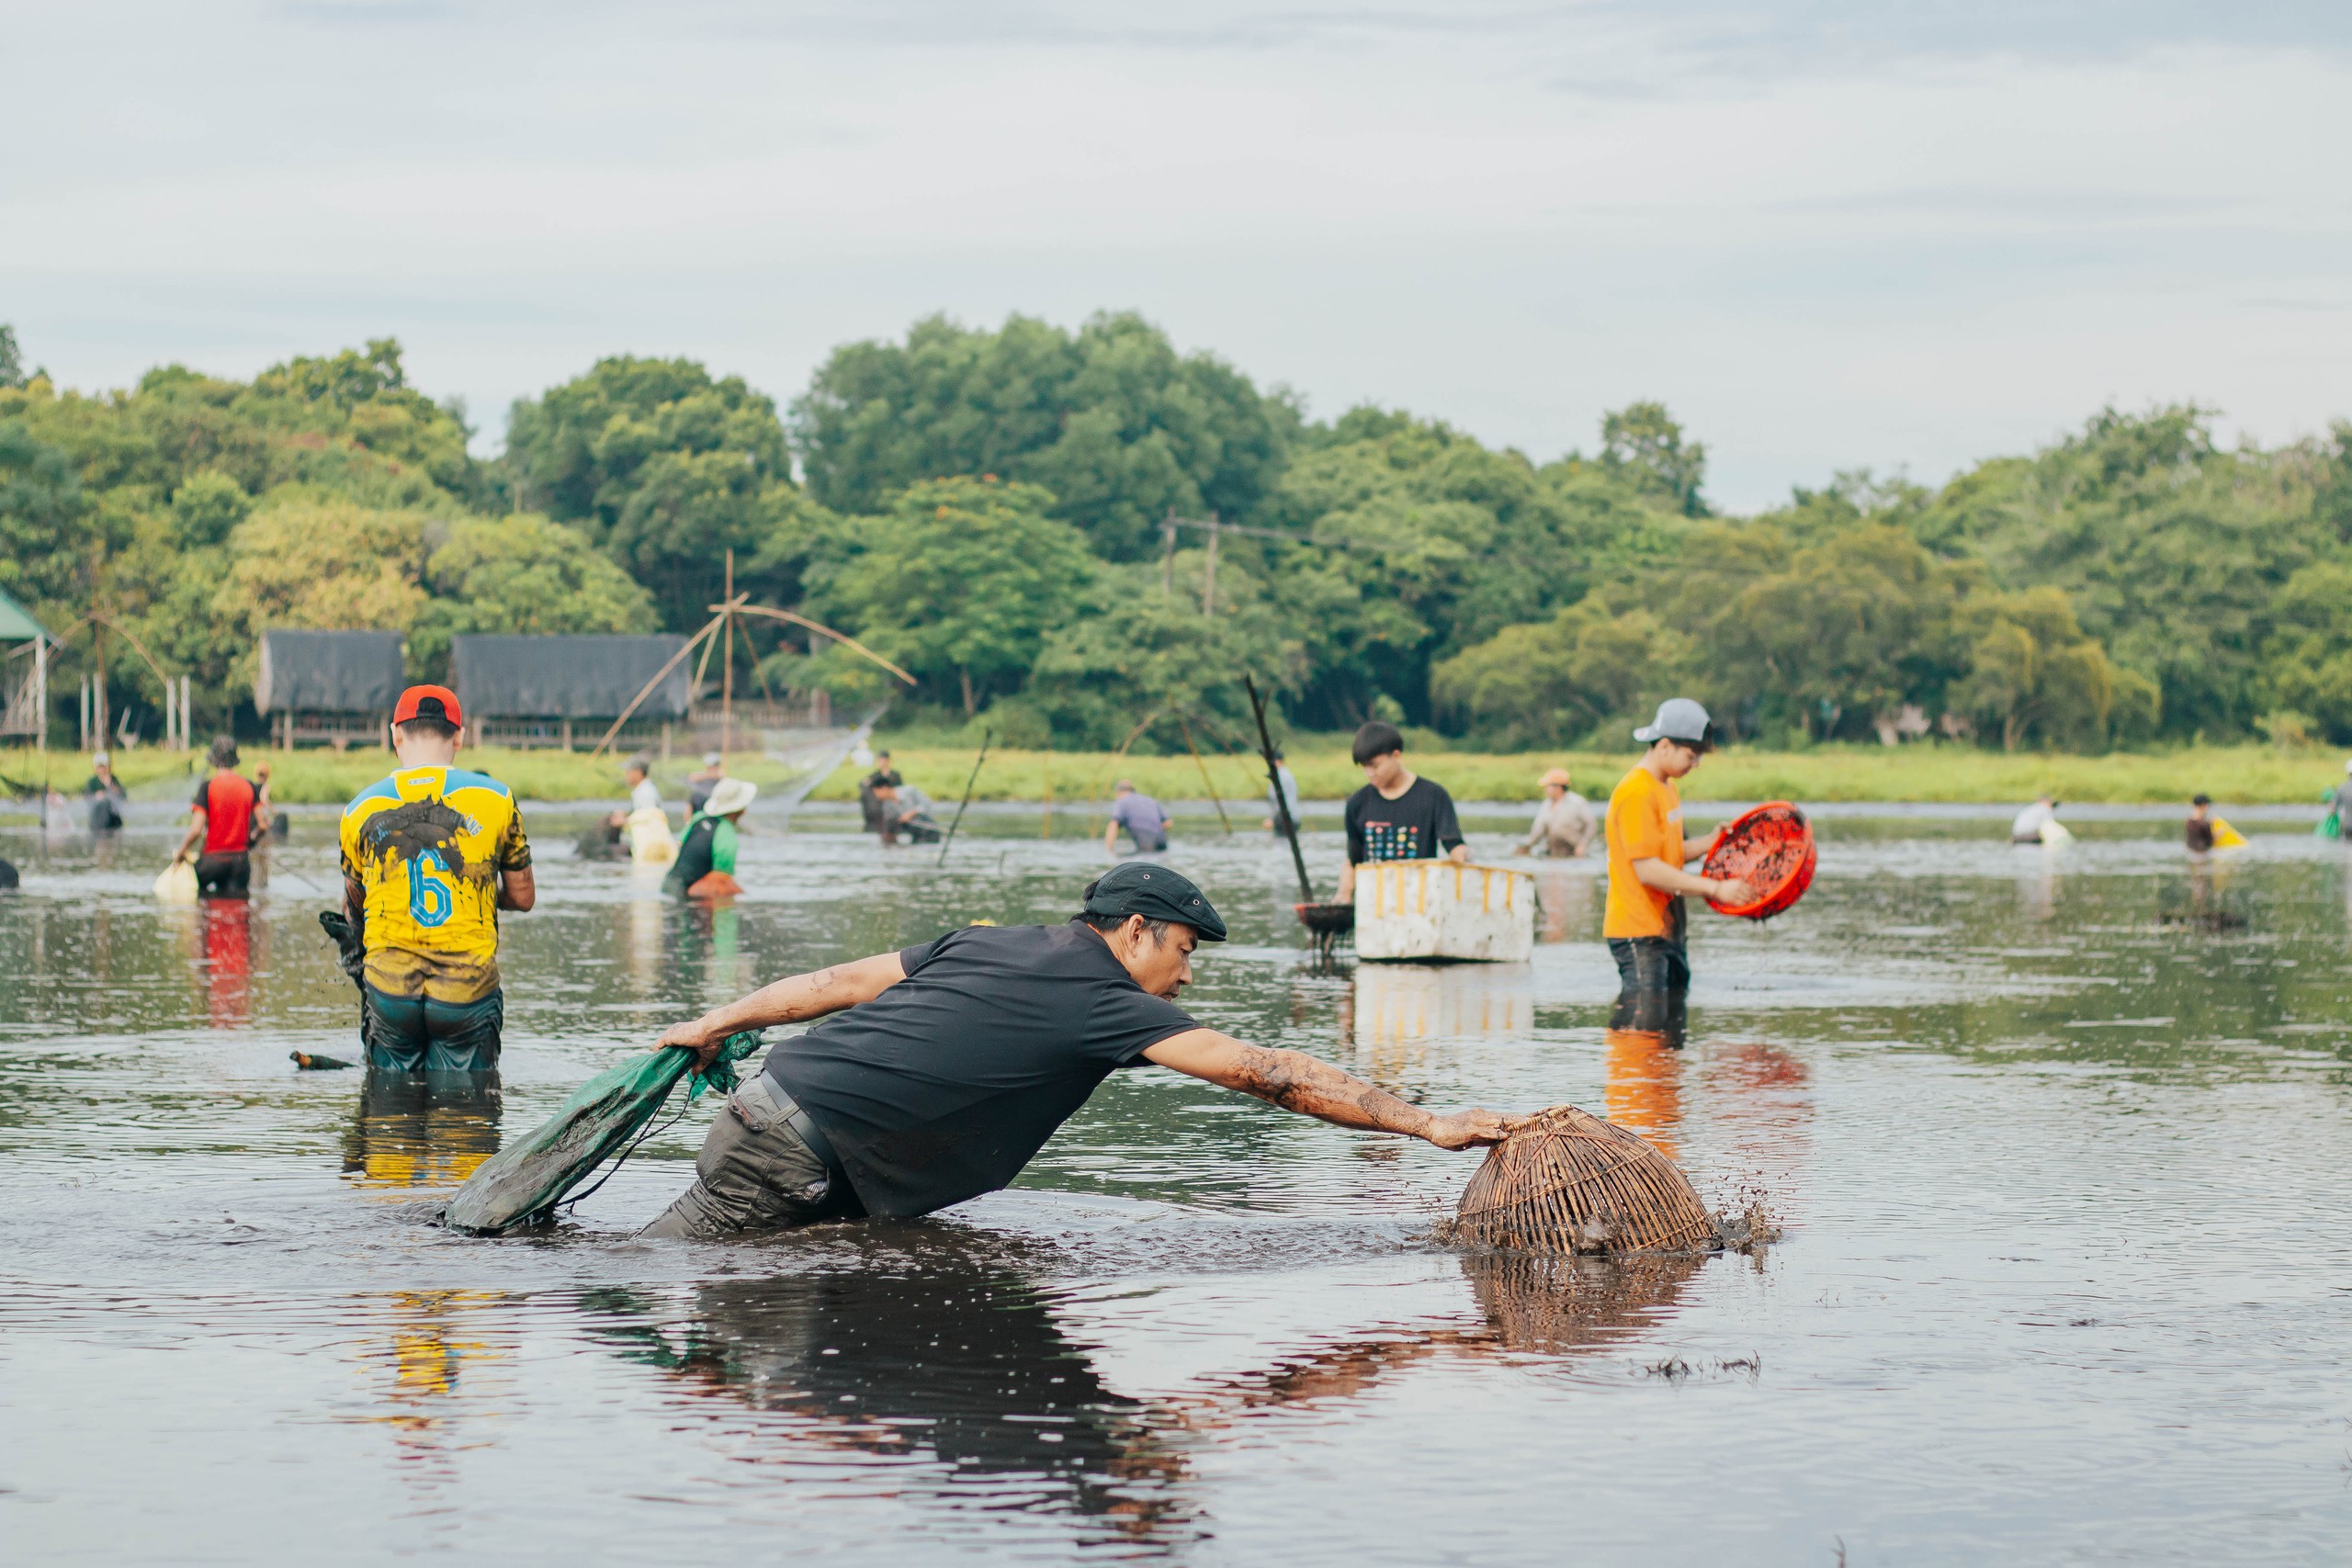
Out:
{"x": 649, "y": 840}
{"x": 177, "y": 883}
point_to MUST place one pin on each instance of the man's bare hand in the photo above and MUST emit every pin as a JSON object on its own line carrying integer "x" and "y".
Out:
{"x": 1732, "y": 890}
{"x": 697, "y": 1035}
{"x": 1472, "y": 1129}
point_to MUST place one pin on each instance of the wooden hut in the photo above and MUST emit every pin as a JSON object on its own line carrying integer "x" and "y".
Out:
{"x": 330, "y": 687}
{"x": 566, "y": 691}
{"x": 25, "y": 649}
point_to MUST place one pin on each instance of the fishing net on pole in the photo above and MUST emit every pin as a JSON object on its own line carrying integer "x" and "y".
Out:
{"x": 1570, "y": 1182}
{"x": 522, "y": 1183}
{"x": 1770, "y": 848}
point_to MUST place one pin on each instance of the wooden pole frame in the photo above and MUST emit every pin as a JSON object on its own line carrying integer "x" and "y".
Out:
{"x": 723, "y": 616}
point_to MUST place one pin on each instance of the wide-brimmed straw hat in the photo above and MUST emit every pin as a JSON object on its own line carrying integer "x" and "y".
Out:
{"x": 731, "y": 796}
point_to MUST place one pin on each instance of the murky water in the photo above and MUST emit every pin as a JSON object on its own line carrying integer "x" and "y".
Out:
{"x": 2059, "y": 1143}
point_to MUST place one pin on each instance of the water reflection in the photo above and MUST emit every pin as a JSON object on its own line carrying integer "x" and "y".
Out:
{"x": 227, "y": 926}
{"x": 1645, "y": 1084}
{"x": 422, "y": 1129}
{"x": 964, "y": 1365}
{"x": 1564, "y": 894}
{"x": 1525, "y": 1305}
{"x": 1401, "y": 1006}
{"x": 435, "y": 1338}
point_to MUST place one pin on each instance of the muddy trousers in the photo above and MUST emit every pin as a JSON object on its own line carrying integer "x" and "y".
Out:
{"x": 755, "y": 1174}
{"x": 417, "y": 1035}
{"x": 1653, "y": 985}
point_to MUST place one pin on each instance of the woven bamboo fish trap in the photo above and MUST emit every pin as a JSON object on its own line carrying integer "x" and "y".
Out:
{"x": 1570, "y": 1182}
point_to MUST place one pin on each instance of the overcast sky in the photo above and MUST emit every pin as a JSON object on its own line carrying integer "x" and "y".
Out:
{"x": 1827, "y": 234}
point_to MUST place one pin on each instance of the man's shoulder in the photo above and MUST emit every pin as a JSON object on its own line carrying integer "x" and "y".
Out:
{"x": 384, "y": 791}
{"x": 1435, "y": 791}
{"x": 1016, "y": 944}
{"x": 455, "y": 779}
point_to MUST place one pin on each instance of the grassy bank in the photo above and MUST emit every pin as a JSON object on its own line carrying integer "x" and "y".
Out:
{"x": 2242, "y": 774}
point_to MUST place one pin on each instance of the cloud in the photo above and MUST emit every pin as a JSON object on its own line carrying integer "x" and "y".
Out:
{"x": 1827, "y": 234}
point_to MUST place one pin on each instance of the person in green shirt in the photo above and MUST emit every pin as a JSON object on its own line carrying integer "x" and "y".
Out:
{"x": 709, "y": 842}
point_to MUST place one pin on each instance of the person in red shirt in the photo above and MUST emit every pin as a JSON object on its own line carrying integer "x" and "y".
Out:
{"x": 232, "y": 816}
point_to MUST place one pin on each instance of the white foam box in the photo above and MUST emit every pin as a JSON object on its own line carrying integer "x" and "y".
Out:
{"x": 1427, "y": 909}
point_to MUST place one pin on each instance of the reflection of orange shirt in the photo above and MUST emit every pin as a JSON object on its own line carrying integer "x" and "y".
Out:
{"x": 1645, "y": 823}
{"x": 1645, "y": 1088}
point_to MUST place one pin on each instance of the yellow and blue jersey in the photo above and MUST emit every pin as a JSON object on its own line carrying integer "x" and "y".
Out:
{"x": 426, "y": 846}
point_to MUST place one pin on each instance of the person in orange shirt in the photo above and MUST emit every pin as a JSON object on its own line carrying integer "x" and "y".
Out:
{"x": 1643, "y": 921}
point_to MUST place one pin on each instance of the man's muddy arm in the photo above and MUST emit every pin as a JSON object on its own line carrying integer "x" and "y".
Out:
{"x": 793, "y": 1000}
{"x": 1296, "y": 1081}
{"x": 518, "y": 889}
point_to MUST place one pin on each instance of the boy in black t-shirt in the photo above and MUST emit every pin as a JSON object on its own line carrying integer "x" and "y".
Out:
{"x": 1396, "y": 815}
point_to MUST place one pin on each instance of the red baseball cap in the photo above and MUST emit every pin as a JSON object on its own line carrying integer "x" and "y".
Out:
{"x": 429, "y": 702}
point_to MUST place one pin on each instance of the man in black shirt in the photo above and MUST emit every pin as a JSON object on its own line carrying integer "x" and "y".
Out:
{"x": 1396, "y": 815}
{"x": 947, "y": 1066}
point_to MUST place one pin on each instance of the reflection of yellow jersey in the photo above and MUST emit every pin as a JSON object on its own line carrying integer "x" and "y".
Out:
{"x": 426, "y": 845}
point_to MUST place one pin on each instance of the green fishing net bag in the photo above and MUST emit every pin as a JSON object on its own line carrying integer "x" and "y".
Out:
{"x": 522, "y": 1183}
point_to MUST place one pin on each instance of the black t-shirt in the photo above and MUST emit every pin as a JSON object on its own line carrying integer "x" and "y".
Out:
{"x": 1417, "y": 825}
{"x": 946, "y": 1084}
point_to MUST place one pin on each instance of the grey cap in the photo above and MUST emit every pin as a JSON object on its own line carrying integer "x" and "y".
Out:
{"x": 1156, "y": 893}
{"x": 1679, "y": 718}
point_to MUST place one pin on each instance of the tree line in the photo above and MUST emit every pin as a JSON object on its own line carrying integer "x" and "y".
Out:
{"x": 1023, "y": 517}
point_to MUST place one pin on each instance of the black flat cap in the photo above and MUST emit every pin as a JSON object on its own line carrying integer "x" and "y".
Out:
{"x": 1151, "y": 890}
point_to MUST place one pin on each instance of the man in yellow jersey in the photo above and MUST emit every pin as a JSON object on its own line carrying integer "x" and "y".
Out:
{"x": 1644, "y": 920}
{"x": 430, "y": 855}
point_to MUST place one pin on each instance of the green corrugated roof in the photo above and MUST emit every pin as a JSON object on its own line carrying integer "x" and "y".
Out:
{"x": 15, "y": 624}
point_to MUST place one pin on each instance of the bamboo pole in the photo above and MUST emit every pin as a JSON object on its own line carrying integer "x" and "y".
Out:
{"x": 1281, "y": 801}
{"x": 844, "y": 639}
{"x": 1206, "y": 782}
{"x": 727, "y": 667}
{"x": 674, "y": 661}
{"x": 986, "y": 736}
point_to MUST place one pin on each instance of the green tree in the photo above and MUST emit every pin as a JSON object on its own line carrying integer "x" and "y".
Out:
{"x": 519, "y": 575}
{"x": 12, "y": 359}
{"x": 2035, "y": 676}
{"x": 2309, "y": 657}
{"x": 2171, "y": 551}
{"x": 1829, "y": 635}
{"x": 1142, "y": 645}
{"x": 1427, "y": 543}
{"x": 1561, "y": 680}
{"x": 42, "y": 507}
{"x": 1121, "y": 428}
{"x": 1641, "y": 442}
{"x": 959, "y": 582}
{"x": 666, "y": 469}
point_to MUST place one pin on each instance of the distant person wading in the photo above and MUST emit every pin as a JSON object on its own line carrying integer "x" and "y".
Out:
{"x": 711, "y": 841}
{"x": 1139, "y": 816}
{"x": 1644, "y": 920}
{"x": 430, "y": 856}
{"x": 1396, "y": 815}
{"x": 232, "y": 816}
